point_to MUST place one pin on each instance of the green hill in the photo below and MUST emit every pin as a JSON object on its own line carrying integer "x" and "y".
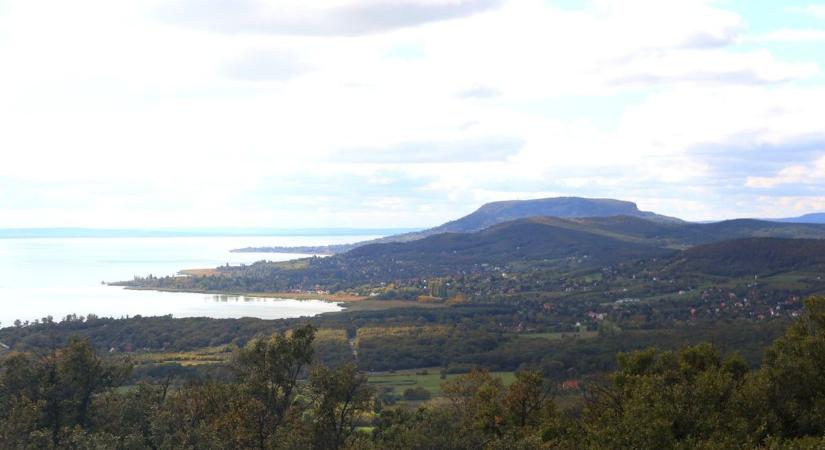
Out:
{"x": 687, "y": 234}
{"x": 521, "y": 240}
{"x": 753, "y": 256}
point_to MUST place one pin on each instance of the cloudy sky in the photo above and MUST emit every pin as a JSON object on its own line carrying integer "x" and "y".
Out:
{"x": 379, "y": 113}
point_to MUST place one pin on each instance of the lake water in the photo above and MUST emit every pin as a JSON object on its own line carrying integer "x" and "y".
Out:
{"x": 55, "y": 277}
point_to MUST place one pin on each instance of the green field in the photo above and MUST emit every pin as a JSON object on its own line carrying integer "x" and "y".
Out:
{"x": 378, "y": 305}
{"x": 559, "y": 336}
{"x": 430, "y": 381}
{"x": 207, "y": 355}
{"x": 792, "y": 280}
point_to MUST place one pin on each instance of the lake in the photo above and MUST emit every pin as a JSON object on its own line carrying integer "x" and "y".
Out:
{"x": 55, "y": 277}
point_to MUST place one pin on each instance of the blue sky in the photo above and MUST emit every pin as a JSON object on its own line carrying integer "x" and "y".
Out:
{"x": 405, "y": 113}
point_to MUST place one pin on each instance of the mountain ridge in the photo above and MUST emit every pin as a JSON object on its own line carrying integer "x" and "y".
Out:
{"x": 805, "y": 218}
{"x": 494, "y": 213}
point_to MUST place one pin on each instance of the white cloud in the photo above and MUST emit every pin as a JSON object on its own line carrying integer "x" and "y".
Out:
{"x": 792, "y": 35}
{"x": 266, "y": 65}
{"x": 813, "y": 10}
{"x": 328, "y": 18}
{"x": 186, "y": 122}
{"x": 712, "y": 67}
{"x": 793, "y": 174}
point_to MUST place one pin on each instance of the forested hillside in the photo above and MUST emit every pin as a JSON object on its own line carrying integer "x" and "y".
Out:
{"x": 279, "y": 397}
{"x": 754, "y": 256}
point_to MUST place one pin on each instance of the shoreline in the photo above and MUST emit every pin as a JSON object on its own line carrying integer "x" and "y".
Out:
{"x": 347, "y": 302}
{"x": 333, "y": 298}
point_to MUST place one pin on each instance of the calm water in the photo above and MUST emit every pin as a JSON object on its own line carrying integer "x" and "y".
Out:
{"x": 60, "y": 276}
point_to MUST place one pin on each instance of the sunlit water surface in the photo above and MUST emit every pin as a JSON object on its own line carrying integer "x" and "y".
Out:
{"x": 55, "y": 277}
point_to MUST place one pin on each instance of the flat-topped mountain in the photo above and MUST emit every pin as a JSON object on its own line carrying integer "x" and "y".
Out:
{"x": 564, "y": 207}
{"x": 616, "y": 218}
{"x": 495, "y": 213}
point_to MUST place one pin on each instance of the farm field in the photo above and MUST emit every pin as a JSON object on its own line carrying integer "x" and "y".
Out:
{"x": 429, "y": 379}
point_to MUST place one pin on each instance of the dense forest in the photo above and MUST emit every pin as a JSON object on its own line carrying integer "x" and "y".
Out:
{"x": 451, "y": 339}
{"x": 279, "y": 396}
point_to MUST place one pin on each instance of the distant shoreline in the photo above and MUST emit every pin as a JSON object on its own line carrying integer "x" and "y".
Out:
{"x": 348, "y": 303}
{"x": 67, "y": 233}
{"x": 333, "y": 298}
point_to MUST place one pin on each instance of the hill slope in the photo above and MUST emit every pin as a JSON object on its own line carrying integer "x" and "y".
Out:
{"x": 807, "y": 218}
{"x": 753, "y": 256}
{"x": 687, "y": 234}
{"x": 521, "y": 240}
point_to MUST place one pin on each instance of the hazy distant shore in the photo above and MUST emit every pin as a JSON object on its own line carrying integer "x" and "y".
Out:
{"x": 18, "y": 233}
{"x": 322, "y": 250}
{"x": 335, "y": 298}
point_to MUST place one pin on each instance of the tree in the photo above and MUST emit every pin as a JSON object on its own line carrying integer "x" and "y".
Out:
{"x": 132, "y": 415}
{"x": 416, "y": 393}
{"x": 267, "y": 370}
{"x": 44, "y": 399}
{"x": 20, "y": 409}
{"x": 791, "y": 383}
{"x": 667, "y": 400}
{"x": 475, "y": 398}
{"x": 528, "y": 401}
{"x": 338, "y": 398}
{"x": 82, "y": 374}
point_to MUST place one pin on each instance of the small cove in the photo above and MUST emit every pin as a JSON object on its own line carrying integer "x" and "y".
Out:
{"x": 55, "y": 277}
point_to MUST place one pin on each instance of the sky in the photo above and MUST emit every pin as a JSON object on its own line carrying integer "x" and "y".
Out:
{"x": 405, "y": 113}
